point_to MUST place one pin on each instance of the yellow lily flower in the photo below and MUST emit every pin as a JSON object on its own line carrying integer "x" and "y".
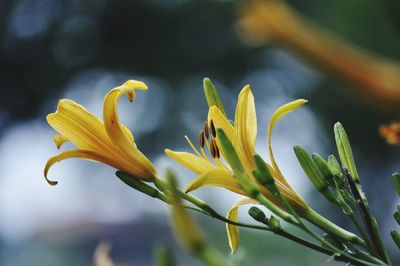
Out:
{"x": 242, "y": 133}
{"x": 108, "y": 141}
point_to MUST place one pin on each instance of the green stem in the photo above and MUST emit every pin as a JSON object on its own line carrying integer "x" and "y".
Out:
{"x": 332, "y": 228}
{"x": 211, "y": 212}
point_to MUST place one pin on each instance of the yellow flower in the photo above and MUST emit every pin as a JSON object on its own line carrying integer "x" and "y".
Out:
{"x": 242, "y": 133}
{"x": 108, "y": 141}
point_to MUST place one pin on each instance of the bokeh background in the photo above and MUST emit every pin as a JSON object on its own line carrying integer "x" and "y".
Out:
{"x": 52, "y": 49}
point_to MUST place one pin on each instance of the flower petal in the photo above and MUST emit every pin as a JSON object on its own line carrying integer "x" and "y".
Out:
{"x": 115, "y": 162}
{"x": 220, "y": 121}
{"x": 195, "y": 163}
{"x": 79, "y": 126}
{"x": 246, "y": 128}
{"x": 59, "y": 140}
{"x": 281, "y": 111}
{"x": 232, "y": 230}
{"x": 118, "y": 133}
{"x": 216, "y": 177}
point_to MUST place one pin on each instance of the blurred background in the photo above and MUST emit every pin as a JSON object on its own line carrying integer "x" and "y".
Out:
{"x": 52, "y": 49}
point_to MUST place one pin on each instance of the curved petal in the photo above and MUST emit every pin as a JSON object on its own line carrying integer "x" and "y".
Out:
{"x": 246, "y": 128}
{"x": 117, "y": 163}
{"x": 216, "y": 177}
{"x": 117, "y": 133}
{"x": 59, "y": 140}
{"x": 195, "y": 163}
{"x": 281, "y": 111}
{"x": 220, "y": 121}
{"x": 232, "y": 230}
{"x": 79, "y": 126}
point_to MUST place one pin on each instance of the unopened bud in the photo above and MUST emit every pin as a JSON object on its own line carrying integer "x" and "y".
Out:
{"x": 323, "y": 167}
{"x": 312, "y": 171}
{"x": 274, "y": 224}
{"x": 258, "y": 215}
{"x": 212, "y": 96}
{"x": 396, "y": 216}
{"x": 345, "y": 152}
{"x": 335, "y": 167}
{"x": 396, "y": 237}
{"x": 396, "y": 182}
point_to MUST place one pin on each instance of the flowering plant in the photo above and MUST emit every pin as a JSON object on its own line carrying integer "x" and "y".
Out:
{"x": 226, "y": 157}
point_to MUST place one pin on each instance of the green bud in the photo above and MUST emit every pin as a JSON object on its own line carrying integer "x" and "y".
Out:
{"x": 274, "y": 224}
{"x": 330, "y": 240}
{"x": 323, "y": 167}
{"x": 310, "y": 169}
{"x": 396, "y": 216}
{"x": 335, "y": 168}
{"x": 396, "y": 237}
{"x": 212, "y": 96}
{"x": 233, "y": 160}
{"x": 344, "y": 149}
{"x": 396, "y": 182}
{"x": 258, "y": 215}
{"x": 137, "y": 184}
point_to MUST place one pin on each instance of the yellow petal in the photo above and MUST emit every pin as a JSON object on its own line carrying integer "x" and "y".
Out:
{"x": 246, "y": 128}
{"x": 118, "y": 134}
{"x": 70, "y": 154}
{"x": 112, "y": 161}
{"x": 59, "y": 140}
{"x": 220, "y": 121}
{"x": 195, "y": 163}
{"x": 281, "y": 111}
{"x": 232, "y": 230}
{"x": 79, "y": 126}
{"x": 216, "y": 177}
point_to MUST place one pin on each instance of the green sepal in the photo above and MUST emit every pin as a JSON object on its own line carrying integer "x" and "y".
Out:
{"x": 212, "y": 95}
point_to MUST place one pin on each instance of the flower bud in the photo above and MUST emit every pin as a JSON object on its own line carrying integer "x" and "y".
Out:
{"x": 258, "y": 215}
{"x": 396, "y": 237}
{"x": 344, "y": 149}
{"x": 274, "y": 224}
{"x": 335, "y": 168}
{"x": 312, "y": 172}
{"x": 212, "y": 96}
{"x": 396, "y": 182}
{"x": 323, "y": 167}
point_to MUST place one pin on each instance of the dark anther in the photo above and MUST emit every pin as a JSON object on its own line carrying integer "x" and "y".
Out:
{"x": 206, "y": 132}
{"x": 201, "y": 138}
{"x": 212, "y": 128}
{"x": 212, "y": 149}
